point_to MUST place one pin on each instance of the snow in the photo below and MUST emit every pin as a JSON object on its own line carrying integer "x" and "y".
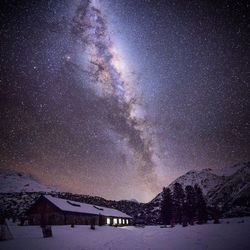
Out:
{"x": 79, "y": 207}
{"x": 227, "y": 171}
{"x": 230, "y": 235}
{"x": 205, "y": 178}
{"x": 13, "y": 181}
{"x": 212, "y": 181}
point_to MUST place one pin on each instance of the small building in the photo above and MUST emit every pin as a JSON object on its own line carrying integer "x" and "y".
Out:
{"x": 49, "y": 210}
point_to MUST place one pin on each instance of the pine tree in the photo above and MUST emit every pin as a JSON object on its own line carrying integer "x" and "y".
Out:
{"x": 184, "y": 217}
{"x": 166, "y": 206}
{"x": 216, "y": 214}
{"x": 178, "y": 202}
{"x": 200, "y": 205}
{"x": 190, "y": 207}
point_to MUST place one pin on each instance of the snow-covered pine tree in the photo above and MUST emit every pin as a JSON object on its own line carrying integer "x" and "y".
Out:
{"x": 166, "y": 206}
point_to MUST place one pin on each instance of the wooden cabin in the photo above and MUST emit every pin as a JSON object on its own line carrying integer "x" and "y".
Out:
{"x": 49, "y": 210}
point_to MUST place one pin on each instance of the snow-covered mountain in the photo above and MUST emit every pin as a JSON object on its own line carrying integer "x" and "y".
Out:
{"x": 208, "y": 179}
{"x": 235, "y": 190}
{"x": 205, "y": 178}
{"x": 13, "y": 181}
{"x": 228, "y": 188}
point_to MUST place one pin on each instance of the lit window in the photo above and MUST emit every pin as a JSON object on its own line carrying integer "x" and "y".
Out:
{"x": 120, "y": 221}
{"x": 123, "y": 221}
{"x": 115, "y": 221}
{"x": 127, "y": 221}
{"x": 108, "y": 221}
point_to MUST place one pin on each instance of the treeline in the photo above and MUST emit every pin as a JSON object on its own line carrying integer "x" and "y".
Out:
{"x": 183, "y": 206}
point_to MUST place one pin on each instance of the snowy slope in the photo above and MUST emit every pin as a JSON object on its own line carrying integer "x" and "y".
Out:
{"x": 205, "y": 178}
{"x": 234, "y": 190}
{"x": 228, "y": 171}
{"x": 220, "y": 186}
{"x": 231, "y": 234}
{"x": 12, "y": 181}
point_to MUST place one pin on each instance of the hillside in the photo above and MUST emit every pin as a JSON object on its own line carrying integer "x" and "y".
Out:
{"x": 208, "y": 179}
{"x": 233, "y": 195}
{"x": 228, "y": 188}
{"x": 13, "y": 181}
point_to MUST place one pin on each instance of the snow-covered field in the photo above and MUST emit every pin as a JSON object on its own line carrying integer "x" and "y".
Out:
{"x": 230, "y": 234}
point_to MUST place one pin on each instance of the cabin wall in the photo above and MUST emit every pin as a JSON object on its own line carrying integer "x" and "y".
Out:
{"x": 44, "y": 212}
{"x": 80, "y": 219}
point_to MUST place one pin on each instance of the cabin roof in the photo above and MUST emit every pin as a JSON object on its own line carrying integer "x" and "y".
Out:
{"x": 79, "y": 207}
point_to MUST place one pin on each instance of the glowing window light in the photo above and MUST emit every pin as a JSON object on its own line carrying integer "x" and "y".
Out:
{"x": 115, "y": 221}
{"x": 127, "y": 221}
{"x": 123, "y": 221}
{"x": 108, "y": 221}
{"x": 120, "y": 221}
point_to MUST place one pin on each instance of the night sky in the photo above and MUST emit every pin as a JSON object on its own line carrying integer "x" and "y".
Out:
{"x": 118, "y": 98}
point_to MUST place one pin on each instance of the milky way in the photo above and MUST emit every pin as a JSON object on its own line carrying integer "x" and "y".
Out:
{"x": 113, "y": 82}
{"x": 118, "y": 98}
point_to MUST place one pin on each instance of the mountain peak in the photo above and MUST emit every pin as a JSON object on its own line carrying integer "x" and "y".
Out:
{"x": 208, "y": 179}
{"x": 15, "y": 181}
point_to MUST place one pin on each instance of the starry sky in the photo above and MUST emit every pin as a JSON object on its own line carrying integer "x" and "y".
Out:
{"x": 118, "y": 98}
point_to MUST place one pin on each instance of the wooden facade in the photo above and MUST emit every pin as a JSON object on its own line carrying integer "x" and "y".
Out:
{"x": 44, "y": 212}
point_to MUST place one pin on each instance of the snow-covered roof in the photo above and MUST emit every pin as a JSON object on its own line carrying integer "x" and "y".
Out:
{"x": 79, "y": 207}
